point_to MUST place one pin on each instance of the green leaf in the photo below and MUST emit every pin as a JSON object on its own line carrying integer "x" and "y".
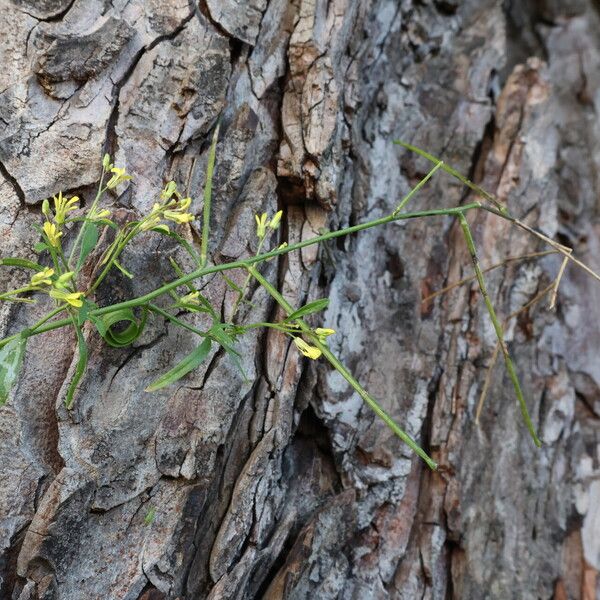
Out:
{"x": 79, "y": 370}
{"x": 234, "y": 286}
{"x": 11, "y": 361}
{"x": 223, "y": 338}
{"x": 227, "y": 342}
{"x": 84, "y": 312}
{"x": 189, "y": 363}
{"x": 41, "y": 246}
{"x": 89, "y": 239}
{"x": 105, "y": 324}
{"x": 100, "y": 326}
{"x": 309, "y": 309}
{"x": 150, "y": 516}
{"x": 21, "y": 262}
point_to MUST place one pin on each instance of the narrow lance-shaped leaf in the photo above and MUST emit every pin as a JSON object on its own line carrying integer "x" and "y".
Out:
{"x": 227, "y": 342}
{"x": 11, "y": 361}
{"x": 308, "y": 309}
{"x": 189, "y": 363}
{"x": 89, "y": 239}
{"x": 80, "y": 369}
{"x": 208, "y": 197}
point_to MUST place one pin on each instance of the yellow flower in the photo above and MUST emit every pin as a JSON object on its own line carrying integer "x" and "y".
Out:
{"x": 307, "y": 349}
{"x": 179, "y": 214}
{"x": 119, "y": 175}
{"x": 62, "y": 206}
{"x": 72, "y": 298}
{"x": 42, "y": 278}
{"x": 52, "y": 233}
{"x": 274, "y": 222}
{"x": 261, "y": 225}
{"x": 178, "y": 217}
{"x": 323, "y": 333}
{"x": 97, "y": 214}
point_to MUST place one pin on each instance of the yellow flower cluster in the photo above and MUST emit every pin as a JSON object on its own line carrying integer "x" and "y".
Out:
{"x": 174, "y": 208}
{"x": 62, "y": 206}
{"x": 57, "y": 287}
{"x": 52, "y": 234}
{"x": 72, "y": 298}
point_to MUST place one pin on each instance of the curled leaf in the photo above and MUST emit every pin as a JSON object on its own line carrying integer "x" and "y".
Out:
{"x": 127, "y": 334}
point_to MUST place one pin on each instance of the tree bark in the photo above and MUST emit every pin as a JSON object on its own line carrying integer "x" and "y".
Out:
{"x": 284, "y": 485}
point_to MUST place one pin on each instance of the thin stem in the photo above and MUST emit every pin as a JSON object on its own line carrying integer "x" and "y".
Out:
{"x": 173, "y": 319}
{"x": 417, "y": 187}
{"x": 208, "y": 198}
{"x": 339, "y": 367}
{"x": 564, "y": 250}
{"x": 500, "y": 209}
{"x": 451, "y": 171}
{"x": 8, "y": 295}
{"x": 243, "y": 264}
{"x": 114, "y": 256}
{"x": 556, "y": 283}
{"x": 46, "y": 318}
{"x": 34, "y": 329}
{"x": 487, "y": 270}
{"x": 488, "y": 376}
{"x": 245, "y": 285}
{"x": 497, "y": 328}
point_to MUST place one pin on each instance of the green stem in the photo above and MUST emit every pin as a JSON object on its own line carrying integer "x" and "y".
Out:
{"x": 245, "y": 285}
{"x": 173, "y": 319}
{"x": 417, "y": 187}
{"x": 451, "y": 171}
{"x": 8, "y": 295}
{"x": 33, "y": 330}
{"x": 243, "y": 264}
{"x": 497, "y": 328}
{"x": 113, "y": 257}
{"x": 339, "y": 367}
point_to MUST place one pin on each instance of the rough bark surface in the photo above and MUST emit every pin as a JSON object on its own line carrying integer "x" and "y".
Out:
{"x": 286, "y": 486}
